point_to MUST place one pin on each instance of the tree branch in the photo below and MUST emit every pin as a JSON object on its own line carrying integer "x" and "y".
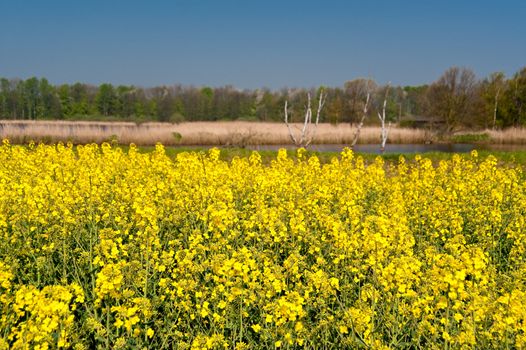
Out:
{"x": 364, "y": 115}
{"x": 291, "y": 134}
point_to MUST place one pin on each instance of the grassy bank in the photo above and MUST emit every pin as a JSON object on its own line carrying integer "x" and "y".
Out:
{"x": 229, "y": 153}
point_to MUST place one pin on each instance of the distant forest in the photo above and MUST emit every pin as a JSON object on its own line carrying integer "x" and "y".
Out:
{"x": 457, "y": 100}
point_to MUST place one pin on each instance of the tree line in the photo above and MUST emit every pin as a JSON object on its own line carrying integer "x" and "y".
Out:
{"x": 456, "y": 100}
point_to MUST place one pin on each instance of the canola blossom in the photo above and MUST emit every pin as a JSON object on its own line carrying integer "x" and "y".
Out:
{"x": 102, "y": 248}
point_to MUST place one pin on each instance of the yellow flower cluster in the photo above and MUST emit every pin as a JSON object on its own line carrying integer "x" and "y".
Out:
{"x": 102, "y": 248}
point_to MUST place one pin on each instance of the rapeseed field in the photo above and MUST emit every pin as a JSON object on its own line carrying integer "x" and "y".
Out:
{"x": 102, "y": 248}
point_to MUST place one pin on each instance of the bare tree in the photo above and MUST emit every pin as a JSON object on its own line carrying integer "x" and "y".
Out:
{"x": 360, "y": 124}
{"x": 452, "y": 96}
{"x": 385, "y": 130}
{"x": 308, "y": 131}
{"x": 355, "y": 92}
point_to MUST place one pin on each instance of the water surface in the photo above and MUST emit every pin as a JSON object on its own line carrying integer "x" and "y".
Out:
{"x": 375, "y": 149}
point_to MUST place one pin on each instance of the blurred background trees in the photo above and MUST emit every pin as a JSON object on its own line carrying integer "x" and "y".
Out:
{"x": 456, "y": 100}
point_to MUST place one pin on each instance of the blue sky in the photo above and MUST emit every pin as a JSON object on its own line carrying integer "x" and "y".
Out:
{"x": 252, "y": 44}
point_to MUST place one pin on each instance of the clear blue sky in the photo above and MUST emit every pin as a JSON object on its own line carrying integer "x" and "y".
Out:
{"x": 251, "y": 44}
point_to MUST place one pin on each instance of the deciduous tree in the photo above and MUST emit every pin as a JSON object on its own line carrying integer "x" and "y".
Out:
{"x": 451, "y": 97}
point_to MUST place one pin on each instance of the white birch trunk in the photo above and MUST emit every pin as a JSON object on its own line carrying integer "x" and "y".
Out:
{"x": 308, "y": 131}
{"x": 360, "y": 124}
{"x": 385, "y": 130}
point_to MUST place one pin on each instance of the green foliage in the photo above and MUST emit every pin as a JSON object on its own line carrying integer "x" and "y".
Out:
{"x": 106, "y": 99}
{"x": 407, "y": 124}
{"x": 177, "y": 136}
{"x": 177, "y": 118}
{"x": 513, "y": 106}
{"x": 470, "y": 138}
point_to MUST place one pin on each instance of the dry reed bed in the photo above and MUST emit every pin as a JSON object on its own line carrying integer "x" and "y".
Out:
{"x": 214, "y": 133}
{"x": 514, "y": 136}
{"x": 196, "y": 133}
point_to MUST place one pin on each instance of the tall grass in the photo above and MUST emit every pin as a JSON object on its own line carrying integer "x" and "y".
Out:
{"x": 516, "y": 136}
{"x": 236, "y": 133}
